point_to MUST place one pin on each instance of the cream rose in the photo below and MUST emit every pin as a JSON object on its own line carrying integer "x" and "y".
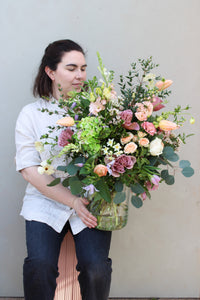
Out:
{"x": 156, "y": 147}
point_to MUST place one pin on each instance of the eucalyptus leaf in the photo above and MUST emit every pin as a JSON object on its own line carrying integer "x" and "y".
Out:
{"x": 164, "y": 174}
{"x": 184, "y": 163}
{"x": 137, "y": 188}
{"x": 187, "y": 171}
{"x": 54, "y": 182}
{"x": 170, "y": 180}
{"x": 119, "y": 197}
{"x": 174, "y": 157}
{"x": 136, "y": 201}
{"x": 118, "y": 186}
{"x": 168, "y": 153}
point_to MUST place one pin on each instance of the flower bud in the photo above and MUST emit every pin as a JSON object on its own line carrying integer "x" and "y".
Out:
{"x": 162, "y": 85}
{"x": 67, "y": 121}
{"x": 192, "y": 120}
{"x": 166, "y": 125}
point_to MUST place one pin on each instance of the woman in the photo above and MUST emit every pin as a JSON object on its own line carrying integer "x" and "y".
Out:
{"x": 51, "y": 211}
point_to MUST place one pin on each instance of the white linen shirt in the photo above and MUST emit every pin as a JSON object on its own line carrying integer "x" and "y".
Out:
{"x": 31, "y": 124}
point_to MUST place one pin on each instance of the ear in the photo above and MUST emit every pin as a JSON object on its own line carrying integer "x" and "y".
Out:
{"x": 49, "y": 72}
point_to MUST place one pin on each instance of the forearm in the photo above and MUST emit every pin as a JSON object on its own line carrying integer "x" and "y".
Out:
{"x": 58, "y": 192}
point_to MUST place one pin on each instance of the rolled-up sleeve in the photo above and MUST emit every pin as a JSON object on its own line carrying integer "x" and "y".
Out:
{"x": 25, "y": 137}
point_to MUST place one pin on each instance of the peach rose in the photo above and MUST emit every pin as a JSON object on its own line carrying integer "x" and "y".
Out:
{"x": 101, "y": 170}
{"x": 162, "y": 85}
{"x": 148, "y": 107}
{"x": 141, "y": 134}
{"x": 127, "y": 139}
{"x": 141, "y": 116}
{"x": 166, "y": 125}
{"x": 67, "y": 121}
{"x": 130, "y": 148}
{"x": 135, "y": 138}
{"x": 144, "y": 142}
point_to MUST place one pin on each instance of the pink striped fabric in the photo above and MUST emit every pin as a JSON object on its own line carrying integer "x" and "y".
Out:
{"x": 67, "y": 282}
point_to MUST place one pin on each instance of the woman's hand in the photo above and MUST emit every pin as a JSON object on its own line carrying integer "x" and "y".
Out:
{"x": 79, "y": 204}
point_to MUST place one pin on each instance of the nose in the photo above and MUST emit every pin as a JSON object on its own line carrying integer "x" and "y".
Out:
{"x": 78, "y": 74}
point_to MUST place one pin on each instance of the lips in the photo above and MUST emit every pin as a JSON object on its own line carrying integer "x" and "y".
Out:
{"x": 77, "y": 84}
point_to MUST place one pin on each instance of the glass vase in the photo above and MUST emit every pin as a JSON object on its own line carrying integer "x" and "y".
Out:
{"x": 110, "y": 216}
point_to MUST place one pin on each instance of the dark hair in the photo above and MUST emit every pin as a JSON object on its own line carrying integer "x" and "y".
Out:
{"x": 52, "y": 56}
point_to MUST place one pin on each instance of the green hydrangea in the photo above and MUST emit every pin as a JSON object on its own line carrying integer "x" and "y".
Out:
{"x": 89, "y": 134}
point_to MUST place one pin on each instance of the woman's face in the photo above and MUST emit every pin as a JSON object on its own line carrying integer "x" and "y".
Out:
{"x": 70, "y": 73}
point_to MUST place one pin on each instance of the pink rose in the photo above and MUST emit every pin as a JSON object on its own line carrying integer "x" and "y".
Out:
{"x": 126, "y": 160}
{"x": 127, "y": 116}
{"x": 64, "y": 137}
{"x": 117, "y": 168}
{"x": 122, "y": 162}
{"x": 149, "y": 127}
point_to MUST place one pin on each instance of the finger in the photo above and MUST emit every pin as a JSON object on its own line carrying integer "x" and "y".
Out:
{"x": 85, "y": 201}
{"x": 88, "y": 218}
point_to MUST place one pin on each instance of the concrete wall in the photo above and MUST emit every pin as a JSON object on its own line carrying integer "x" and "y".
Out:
{"x": 158, "y": 253}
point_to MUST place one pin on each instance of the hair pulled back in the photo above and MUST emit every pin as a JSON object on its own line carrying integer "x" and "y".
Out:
{"x": 52, "y": 56}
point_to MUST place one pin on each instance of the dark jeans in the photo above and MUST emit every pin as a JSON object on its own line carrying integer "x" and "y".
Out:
{"x": 41, "y": 264}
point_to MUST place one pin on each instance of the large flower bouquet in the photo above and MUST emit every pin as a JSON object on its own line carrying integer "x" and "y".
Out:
{"x": 120, "y": 146}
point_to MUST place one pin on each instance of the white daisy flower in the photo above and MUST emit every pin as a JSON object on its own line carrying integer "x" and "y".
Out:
{"x": 110, "y": 142}
{"x": 45, "y": 168}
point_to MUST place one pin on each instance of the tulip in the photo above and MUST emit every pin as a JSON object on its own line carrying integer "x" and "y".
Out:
{"x": 157, "y": 103}
{"x": 132, "y": 126}
{"x": 67, "y": 121}
{"x": 166, "y": 125}
{"x": 162, "y": 85}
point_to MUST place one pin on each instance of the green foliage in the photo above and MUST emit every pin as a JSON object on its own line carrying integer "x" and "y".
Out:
{"x": 136, "y": 201}
{"x": 54, "y": 182}
{"x": 119, "y": 197}
{"x": 187, "y": 171}
{"x": 169, "y": 154}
